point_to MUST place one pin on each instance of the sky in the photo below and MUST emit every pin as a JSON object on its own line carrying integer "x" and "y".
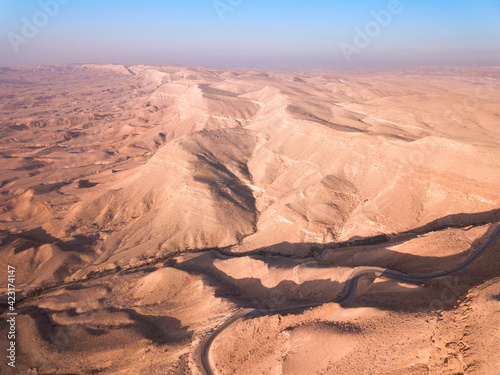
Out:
{"x": 251, "y": 33}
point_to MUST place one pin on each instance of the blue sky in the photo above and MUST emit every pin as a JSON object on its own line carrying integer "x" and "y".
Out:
{"x": 250, "y": 33}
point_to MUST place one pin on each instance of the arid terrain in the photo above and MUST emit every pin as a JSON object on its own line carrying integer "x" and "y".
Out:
{"x": 142, "y": 206}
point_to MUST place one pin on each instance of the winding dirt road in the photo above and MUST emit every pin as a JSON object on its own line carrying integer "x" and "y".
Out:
{"x": 348, "y": 292}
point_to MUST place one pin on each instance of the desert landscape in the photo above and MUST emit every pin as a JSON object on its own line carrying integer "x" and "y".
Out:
{"x": 348, "y": 217}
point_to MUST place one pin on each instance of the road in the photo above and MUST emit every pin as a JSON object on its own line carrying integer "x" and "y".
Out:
{"x": 348, "y": 292}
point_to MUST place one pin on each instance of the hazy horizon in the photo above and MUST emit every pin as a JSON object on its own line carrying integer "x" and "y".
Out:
{"x": 257, "y": 34}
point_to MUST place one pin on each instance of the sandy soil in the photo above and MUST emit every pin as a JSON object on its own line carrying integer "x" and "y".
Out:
{"x": 143, "y": 205}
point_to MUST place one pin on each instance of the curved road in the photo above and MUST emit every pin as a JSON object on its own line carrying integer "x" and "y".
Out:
{"x": 349, "y": 289}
